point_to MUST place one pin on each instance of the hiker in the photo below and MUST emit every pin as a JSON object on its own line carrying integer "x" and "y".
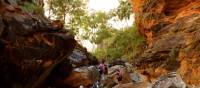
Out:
{"x": 102, "y": 69}
{"x": 119, "y": 74}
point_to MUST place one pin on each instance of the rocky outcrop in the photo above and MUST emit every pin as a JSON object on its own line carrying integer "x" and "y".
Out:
{"x": 30, "y": 47}
{"x": 80, "y": 57}
{"x": 171, "y": 80}
{"x": 129, "y": 79}
{"x": 75, "y": 71}
{"x": 172, "y": 32}
{"x": 84, "y": 76}
{"x": 34, "y": 51}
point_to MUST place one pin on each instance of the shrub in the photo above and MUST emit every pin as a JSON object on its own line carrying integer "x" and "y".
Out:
{"x": 123, "y": 43}
{"x": 30, "y": 7}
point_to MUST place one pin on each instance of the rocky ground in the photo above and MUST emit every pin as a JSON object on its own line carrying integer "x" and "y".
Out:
{"x": 134, "y": 79}
{"x": 38, "y": 53}
{"x": 88, "y": 77}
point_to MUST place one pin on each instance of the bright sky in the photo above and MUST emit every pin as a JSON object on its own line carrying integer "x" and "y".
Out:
{"x": 102, "y": 5}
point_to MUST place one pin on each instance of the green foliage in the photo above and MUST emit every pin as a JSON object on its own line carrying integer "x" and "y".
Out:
{"x": 102, "y": 34}
{"x": 105, "y": 31}
{"x": 124, "y": 10}
{"x": 123, "y": 43}
{"x": 30, "y": 7}
{"x": 79, "y": 18}
{"x": 64, "y": 10}
{"x": 112, "y": 43}
{"x": 92, "y": 24}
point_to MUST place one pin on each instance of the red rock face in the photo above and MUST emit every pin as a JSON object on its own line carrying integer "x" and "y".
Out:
{"x": 172, "y": 31}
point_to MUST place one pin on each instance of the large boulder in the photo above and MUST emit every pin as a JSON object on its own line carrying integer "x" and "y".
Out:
{"x": 136, "y": 77}
{"x": 171, "y": 80}
{"x": 84, "y": 76}
{"x": 80, "y": 57}
{"x": 32, "y": 48}
{"x": 34, "y": 51}
{"x": 117, "y": 62}
{"x": 114, "y": 68}
{"x": 111, "y": 78}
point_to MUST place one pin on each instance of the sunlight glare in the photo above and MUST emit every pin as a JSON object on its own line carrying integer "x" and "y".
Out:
{"x": 102, "y": 5}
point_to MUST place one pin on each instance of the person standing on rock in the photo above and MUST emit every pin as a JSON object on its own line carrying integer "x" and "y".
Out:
{"x": 119, "y": 74}
{"x": 102, "y": 69}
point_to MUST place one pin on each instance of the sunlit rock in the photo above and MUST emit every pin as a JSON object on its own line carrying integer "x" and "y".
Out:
{"x": 85, "y": 76}
{"x": 172, "y": 32}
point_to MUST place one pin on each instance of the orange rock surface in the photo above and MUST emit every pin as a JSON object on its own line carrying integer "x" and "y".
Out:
{"x": 172, "y": 31}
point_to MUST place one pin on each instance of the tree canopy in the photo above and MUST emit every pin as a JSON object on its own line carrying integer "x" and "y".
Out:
{"x": 111, "y": 43}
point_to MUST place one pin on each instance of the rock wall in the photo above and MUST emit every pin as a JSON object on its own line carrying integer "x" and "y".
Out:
{"x": 34, "y": 51}
{"x": 172, "y": 31}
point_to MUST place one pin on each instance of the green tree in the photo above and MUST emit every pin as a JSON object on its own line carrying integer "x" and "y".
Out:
{"x": 91, "y": 24}
{"x": 123, "y": 43}
{"x": 123, "y": 11}
{"x": 32, "y": 7}
{"x": 61, "y": 9}
{"x": 112, "y": 43}
{"x": 76, "y": 16}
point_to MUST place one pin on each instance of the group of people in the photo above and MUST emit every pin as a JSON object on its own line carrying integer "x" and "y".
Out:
{"x": 103, "y": 69}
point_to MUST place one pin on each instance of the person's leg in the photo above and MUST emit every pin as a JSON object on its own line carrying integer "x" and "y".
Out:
{"x": 102, "y": 76}
{"x": 119, "y": 79}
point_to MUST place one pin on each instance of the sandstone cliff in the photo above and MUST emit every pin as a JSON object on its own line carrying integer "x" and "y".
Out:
{"x": 172, "y": 31}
